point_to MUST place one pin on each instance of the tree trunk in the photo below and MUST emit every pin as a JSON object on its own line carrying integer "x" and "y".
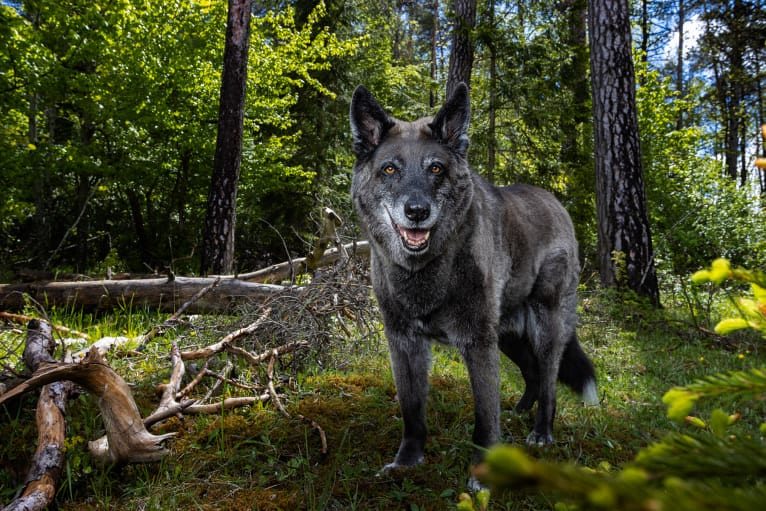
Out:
{"x": 434, "y": 38}
{"x": 218, "y": 240}
{"x": 680, "y": 60}
{"x": 492, "y": 129}
{"x": 626, "y": 257}
{"x": 461, "y": 56}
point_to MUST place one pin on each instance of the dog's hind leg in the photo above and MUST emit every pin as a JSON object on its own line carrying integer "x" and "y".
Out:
{"x": 547, "y": 336}
{"x": 520, "y": 351}
{"x": 410, "y": 362}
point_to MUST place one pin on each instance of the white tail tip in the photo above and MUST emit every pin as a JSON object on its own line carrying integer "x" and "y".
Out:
{"x": 590, "y": 393}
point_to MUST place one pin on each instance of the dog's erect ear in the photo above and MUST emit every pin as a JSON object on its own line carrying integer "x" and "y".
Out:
{"x": 450, "y": 124}
{"x": 369, "y": 122}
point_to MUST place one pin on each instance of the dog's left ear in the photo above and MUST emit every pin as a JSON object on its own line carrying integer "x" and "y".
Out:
{"x": 369, "y": 122}
{"x": 450, "y": 124}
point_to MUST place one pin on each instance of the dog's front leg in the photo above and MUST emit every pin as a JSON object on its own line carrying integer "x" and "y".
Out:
{"x": 482, "y": 360}
{"x": 410, "y": 363}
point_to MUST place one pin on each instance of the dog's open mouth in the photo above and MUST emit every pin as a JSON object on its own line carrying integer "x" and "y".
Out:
{"x": 414, "y": 239}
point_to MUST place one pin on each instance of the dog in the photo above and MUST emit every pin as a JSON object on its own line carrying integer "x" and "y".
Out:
{"x": 459, "y": 261}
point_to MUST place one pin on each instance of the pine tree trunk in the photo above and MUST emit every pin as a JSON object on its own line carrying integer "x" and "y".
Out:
{"x": 218, "y": 240}
{"x": 461, "y": 56}
{"x": 626, "y": 257}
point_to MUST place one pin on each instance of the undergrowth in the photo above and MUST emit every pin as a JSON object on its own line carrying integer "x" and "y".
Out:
{"x": 256, "y": 458}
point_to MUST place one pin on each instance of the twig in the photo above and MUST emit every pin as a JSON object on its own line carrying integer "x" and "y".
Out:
{"x": 220, "y": 346}
{"x": 258, "y": 359}
{"x": 281, "y": 407}
{"x": 22, "y": 319}
{"x": 149, "y": 335}
{"x": 272, "y": 390}
{"x": 190, "y": 386}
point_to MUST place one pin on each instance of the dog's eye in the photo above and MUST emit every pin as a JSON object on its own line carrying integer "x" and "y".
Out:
{"x": 435, "y": 168}
{"x": 389, "y": 169}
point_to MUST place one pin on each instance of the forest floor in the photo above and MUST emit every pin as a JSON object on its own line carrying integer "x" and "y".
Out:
{"x": 258, "y": 458}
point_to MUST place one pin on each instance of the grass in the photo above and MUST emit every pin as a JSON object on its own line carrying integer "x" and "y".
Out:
{"x": 256, "y": 458}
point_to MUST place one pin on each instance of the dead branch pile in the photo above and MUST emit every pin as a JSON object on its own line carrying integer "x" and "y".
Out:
{"x": 325, "y": 322}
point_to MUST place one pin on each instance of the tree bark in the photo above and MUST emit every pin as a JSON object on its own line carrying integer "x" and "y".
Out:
{"x": 626, "y": 257}
{"x": 218, "y": 239}
{"x": 461, "y": 56}
{"x": 163, "y": 294}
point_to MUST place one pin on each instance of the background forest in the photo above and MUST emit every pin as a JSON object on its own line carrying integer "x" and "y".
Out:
{"x": 108, "y": 126}
{"x": 109, "y": 117}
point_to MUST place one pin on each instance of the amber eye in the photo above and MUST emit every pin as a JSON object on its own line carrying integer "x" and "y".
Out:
{"x": 389, "y": 169}
{"x": 436, "y": 168}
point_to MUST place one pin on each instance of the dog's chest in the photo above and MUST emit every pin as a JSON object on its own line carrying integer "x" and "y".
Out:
{"x": 437, "y": 299}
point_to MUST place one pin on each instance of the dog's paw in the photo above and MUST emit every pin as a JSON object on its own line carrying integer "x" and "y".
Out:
{"x": 395, "y": 466}
{"x": 475, "y": 486}
{"x": 539, "y": 439}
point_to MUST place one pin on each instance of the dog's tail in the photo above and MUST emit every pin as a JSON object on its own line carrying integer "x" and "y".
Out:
{"x": 576, "y": 371}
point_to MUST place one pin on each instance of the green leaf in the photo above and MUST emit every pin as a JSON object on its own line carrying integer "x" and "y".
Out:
{"x": 719, "y": 421}
{"x": 680, "y": 403}
{"x": 729, "y": 325}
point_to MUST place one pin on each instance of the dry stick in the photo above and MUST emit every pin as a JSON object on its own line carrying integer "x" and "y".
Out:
{"x": 177, "y": 371}
{"x": 272, "y": 390}
{"x": 229, "y": 381}
{"x": 226, "y": 404}
{"x": 258, "y": 359}
{"x": 22, "y": 319}
{"x": 190, "y": 386}
{"x": 149, "y": 335}
{"x": 220, "y": 346}
{"x": 275, "y": 397}
{"x": 217, "y": 386}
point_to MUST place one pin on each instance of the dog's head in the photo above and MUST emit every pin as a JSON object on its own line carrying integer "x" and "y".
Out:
{"x": 411, "y": 185}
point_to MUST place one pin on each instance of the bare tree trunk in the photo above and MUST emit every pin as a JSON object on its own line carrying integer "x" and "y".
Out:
{"x": 218, "y": 240}
{"x": 626, "y": 257}
{"x": 434, "y": 38}
{"x": 492, "y": 130}
{"x": 461, "y": 56}
{"x": 680, "y": 59}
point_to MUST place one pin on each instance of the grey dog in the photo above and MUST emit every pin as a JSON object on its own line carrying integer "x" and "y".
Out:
{"x": 459, "y": 261}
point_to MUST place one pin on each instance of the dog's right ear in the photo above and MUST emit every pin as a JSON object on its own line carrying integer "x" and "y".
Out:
{"x": 369, "y": 122}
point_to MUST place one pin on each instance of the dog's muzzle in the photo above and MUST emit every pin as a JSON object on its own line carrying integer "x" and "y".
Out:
{"x": 415, "y": 240}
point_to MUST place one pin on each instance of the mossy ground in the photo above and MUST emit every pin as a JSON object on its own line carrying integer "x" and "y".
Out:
{"x": 256, "y": 458}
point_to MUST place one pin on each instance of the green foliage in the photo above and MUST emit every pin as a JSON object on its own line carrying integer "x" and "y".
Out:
{"x": 109, "y": 115}
{"x": 697, "y": 212}
{"x": 716, "y": 463}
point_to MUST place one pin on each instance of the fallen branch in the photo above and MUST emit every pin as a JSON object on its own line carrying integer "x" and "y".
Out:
{"x": 221, "y": 345}
{"x": 275, "y": 397}
{"x": 22, "y": 319}
{"x": 46, "y": 465}
{"x": 149, "y": 335}
{"x": 283, "y": 271}
{"x": 126, "y": 440}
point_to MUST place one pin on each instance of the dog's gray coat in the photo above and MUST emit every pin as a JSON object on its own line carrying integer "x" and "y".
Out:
{"x": 459, "y": 261}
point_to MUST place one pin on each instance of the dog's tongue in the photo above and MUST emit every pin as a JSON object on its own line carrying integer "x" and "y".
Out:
{"x": 414, "y": 238}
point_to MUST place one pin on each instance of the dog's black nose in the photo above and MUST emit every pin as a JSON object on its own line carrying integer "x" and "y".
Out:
{"x": 417, "y": 210}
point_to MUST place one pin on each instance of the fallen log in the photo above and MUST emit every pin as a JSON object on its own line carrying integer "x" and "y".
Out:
{"x": 169, "y": 294}
{"x": 164, "y": 294}
{"x": 47, "y": 463}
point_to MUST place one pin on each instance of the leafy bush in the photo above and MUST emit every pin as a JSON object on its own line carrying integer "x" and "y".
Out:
{"x": 712, "y": 463}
